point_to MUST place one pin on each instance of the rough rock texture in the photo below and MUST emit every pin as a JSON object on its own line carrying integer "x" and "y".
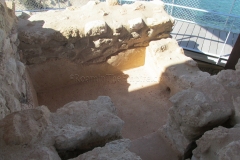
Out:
{"x": 192, "y": 114}
{"x": 92, "y": 33}
{"x": 237, "y": 67}
{"x": 218, "y": 144}
{"x": 200, "y": 101}
{"x": 16, "y": 92}
{"x": 76, "y": 127}
{"x": 230, "y": 79}
{"x": 117, "y": 150}
{"x": 112, "y": 2}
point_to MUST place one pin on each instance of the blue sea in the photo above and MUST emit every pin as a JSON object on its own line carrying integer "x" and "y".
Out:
{"x": 217, "y": 17}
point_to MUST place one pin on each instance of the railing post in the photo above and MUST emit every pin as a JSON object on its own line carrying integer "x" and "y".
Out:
{"x": 221, "y": 53}
{"x": 69, "y": 4}
{"x": 44, "y": 5}
{"x": 58, "y": 4}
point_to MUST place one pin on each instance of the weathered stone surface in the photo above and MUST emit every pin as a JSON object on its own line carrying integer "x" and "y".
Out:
{"x": 112, "y": 2}
{"x": 230, "y": 79}
{"x": 116, "y": 150}
{"x": 38, "y": 133}
{"x": 219, "y": 143}
{"x": 195, "y": 112}
{"x": 165, "y": 59}
{"x": 200, "y": 101}
{"x": 95, "y": 28}
{"x": 136, "y": 24}
{"x": 237, "y": 67}
{"x": 25, "y": 127}
{"x": 97, "y": 120}
{"x": 15, "y": 91}
{"x": 192, "y": 114}
{"x": 7, "y": 16}
{"x": 44, "y": 153}
{"x": 44, "y": 37}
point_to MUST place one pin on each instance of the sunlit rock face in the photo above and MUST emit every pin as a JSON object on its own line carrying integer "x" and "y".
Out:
{"x": 93, "y": 32}
{"x": 200, "y": 102}
{"x": 95, "y": 39}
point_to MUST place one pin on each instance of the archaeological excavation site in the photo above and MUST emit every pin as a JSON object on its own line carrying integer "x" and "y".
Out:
{"x": 107, "y": 82}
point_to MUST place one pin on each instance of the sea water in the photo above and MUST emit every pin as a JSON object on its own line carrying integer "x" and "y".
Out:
{"x": 215, "y": 17}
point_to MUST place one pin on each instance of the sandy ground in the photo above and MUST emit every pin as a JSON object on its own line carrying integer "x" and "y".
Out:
{"x": 141, "y": 103}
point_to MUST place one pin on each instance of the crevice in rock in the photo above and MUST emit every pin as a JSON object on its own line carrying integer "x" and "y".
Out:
{"x": 188, "y": 151}
{"x": 68, "y": 154}
{"x": 65, "y": 155}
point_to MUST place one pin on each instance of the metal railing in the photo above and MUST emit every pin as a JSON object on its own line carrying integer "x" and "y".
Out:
{"x": 213, "y": 18}
{"x": 223, "y": 15}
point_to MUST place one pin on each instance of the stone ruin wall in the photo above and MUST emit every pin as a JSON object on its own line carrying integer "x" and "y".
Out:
{"x": 205, "y": 109}
{"x": 99, "y": 39}
{"x": 16, "y": 91}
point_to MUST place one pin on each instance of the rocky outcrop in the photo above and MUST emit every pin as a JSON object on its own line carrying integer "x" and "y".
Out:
{"x": 192, "y": 114}
{"x": 166, "y": 60}
{"x": 219, "y": 143}
{"x": 16, "y": 92}
{"x": 92, "y": 33}
{"x": 116, "y": 150}
{"x": 72, "y": 129}
{"x": 200, "y": 101}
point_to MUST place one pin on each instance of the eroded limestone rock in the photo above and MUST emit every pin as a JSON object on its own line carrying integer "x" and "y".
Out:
{"x": 96, "y": 118}
{"x": 116, "y": 150}
{"x": 192, "y": 114}
{"x": 219, "y": 143}
{"x": 230, "y": 79}
{"x": 38, "y": 133}
{"x": 112, "y": 2}
{"x": 16, "y": 92}
{"x": 200, "y": 101}
{"x": 44, "y": 36}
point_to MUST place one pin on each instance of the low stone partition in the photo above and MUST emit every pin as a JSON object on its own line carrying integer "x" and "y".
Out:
{"x": 93, "y": 32}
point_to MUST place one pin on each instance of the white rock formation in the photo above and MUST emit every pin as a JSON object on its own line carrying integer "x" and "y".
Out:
{"x": 16, "y": 92}
{"x": 95, "y": 28}
{"x": 76, "y": 126}
{"x": 44, "y": 36}
{"x": 112, "y": 2}
{"x": 200, "y": 101}
{"x": 117, "y": 150}
{"x": 219, "y": 143}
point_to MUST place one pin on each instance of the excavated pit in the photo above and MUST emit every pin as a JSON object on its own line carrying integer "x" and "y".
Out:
{"x": 104, "y": 79}
{"x": 141, "y": 101}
